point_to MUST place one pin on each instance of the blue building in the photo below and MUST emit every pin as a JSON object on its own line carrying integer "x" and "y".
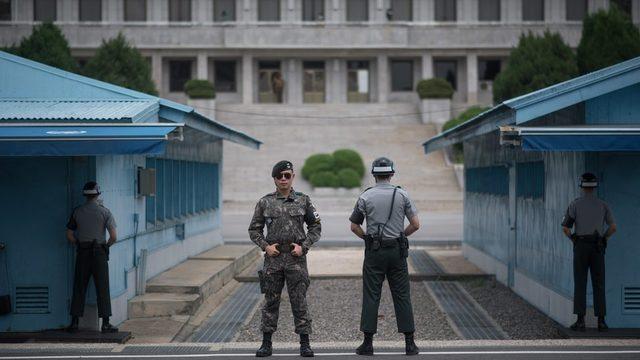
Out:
{"x": 58, "y": 130}
{"x": 522, "y": 161}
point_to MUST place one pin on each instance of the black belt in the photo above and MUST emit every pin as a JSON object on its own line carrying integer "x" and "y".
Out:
{"x": 385, "y": 243}
{"x": 587, "y": 238}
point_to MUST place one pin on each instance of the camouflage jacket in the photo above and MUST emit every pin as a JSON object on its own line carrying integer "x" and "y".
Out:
{"x": 284, "y": 218}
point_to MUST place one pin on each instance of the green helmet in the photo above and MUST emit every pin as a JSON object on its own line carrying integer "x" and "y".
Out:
{"x": 382, "y": 166}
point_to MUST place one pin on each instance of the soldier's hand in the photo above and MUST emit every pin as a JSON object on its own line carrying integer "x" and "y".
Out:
{"x": 272, "y": 250}
{"x": 297, "y": 250}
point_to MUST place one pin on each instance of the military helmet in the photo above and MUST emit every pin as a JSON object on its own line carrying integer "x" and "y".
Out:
{"x": 91, "y": 188}
{"x": 382, "y": 166}
{"x": 588, "y": 180}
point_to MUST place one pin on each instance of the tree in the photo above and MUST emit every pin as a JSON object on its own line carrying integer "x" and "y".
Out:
{"x": 119, "y": 63}
{"x": 608, "y": 37}
{"x": 47, "y": 45}
{"x": 537, "y": 62}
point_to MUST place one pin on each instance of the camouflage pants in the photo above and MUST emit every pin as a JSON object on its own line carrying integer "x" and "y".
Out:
{"x": 292, "y": 271}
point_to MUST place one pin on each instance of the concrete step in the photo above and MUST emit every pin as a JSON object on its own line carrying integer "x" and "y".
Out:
{"x": 163, "y": 304}
{"x": 181, "y": 289}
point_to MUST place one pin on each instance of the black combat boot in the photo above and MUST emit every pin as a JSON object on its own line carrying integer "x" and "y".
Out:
{"x": 305, "y": 347}
{"x": 410, "y": 346}
{"x": 367, "y": 345}
{"x": 579, "y": 324}
{"x": 602, "y": 326}
{"x": 73, "y": 327}
{"x": 265, "y": 350}
{"x": 107, "y": 328}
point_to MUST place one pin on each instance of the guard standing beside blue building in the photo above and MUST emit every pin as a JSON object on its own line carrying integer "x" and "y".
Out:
{"x": 588, "y": 214}
{"x": 86, "y": 229}
{"x": 385, "y": 206}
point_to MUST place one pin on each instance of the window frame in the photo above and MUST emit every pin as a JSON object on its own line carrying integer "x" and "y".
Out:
{"x": 441, "y": 5}
{"x": 484, "y": 8}
{"x": 542, "y": 8}
{"x": 128, "y": 19}
{"x": 366, "y": 11}
{"x": 177, "y": 19}
{"x": 217, "y": 18}
{"x": 278, "y": 11}
{"x": 82, "y": 7}
{"x": 584, "y": 14}
{"x": 412, "y": 72}
{"x": 55, "y": 10}
{"x": 172, "y": 88}
{"x": 454, "y": 85}
{"x": 216, "y": 64}
{"x": 10, "y": 12}
{"x": 314, "y": 8}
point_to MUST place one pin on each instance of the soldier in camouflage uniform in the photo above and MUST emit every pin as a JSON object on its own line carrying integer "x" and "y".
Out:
{"x": 284, "y": 212}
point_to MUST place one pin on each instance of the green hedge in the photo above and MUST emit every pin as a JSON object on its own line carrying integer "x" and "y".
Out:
{"x": 199, "y": 89}
{"x": 435, "y": 88}
{"x": 325, "y": 179}
{"x": 342, "y": 168}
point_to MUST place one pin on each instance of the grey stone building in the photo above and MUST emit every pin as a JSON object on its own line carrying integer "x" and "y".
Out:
{"x": 311, "y": 51}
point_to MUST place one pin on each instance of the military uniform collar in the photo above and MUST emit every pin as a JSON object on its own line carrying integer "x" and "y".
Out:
{"x": 292, "y": 195}
{"x": 383, "y": 184}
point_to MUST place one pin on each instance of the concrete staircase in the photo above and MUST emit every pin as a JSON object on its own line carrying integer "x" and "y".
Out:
{"x": 294, "y": 132}
{"x": 182, "y": 289}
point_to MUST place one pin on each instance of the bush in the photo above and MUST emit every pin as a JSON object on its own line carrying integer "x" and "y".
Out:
{"x": 349, "y": 159}
{"x": 119, "y": 63}
{"x": 349, "y": 178}
{"x": 325, "y": 179}
{"x": 435, "y": 88}
{"x": 199, "y": 89}
{"x": 316, "y": 163}
{"x": 537, "y": 62}
{"x": 608, "y": 37}
{"x": 458, "y": 150}
{"x": 47, "y": 45}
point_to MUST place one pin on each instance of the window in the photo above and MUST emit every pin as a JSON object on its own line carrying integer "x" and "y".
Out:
{"x": 183, "y": 188}
{"x": 357, "y": 10}
{"x": 448, "y": 70}
{"x": 489, "y": 10}
{"x": 576, "y": 9}
{"x": 401, "y": 10}
{"x": 179, "y": 10}
{"x": 530, "y": 179}
{"x": 135, "y": 10}
{"x": 179, "y": 74}
{"x": 90, "y": 10}
{"x": 225, "y": 76}
{"x": 313, "y": 10}
{"x": 268, "y": 10}
{"x": 45, "y": 10}
{"x": 624, "y": 6}
{"x": 313, "y": 83}
{"x": 401, "y": 75}
{"x": 533, "y": 10}
{"x": 5, "y": 10}
{"x": 357, "y": 81}
{"x": 491, "y": 180}
{"x": 270, "y": 82}
{"x": 488, "y": 69}
{"x": 445, "y": 10}
{"x": 224, "y": 10}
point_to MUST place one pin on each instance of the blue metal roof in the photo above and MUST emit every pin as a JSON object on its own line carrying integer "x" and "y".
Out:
{"x": 76, "y": 110}
{"x": 533, "y": 105}
{"x": 18, "y": 80}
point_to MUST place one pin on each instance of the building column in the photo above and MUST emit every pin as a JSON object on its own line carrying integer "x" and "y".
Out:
{"x": 383, "y": 78}
{"x": 156, "y": 72}
{"x": 247, "y": 79}
{"x": 202, "y": 66}
{"x": 427, "y": 66}
{"x": 472, "y": 79}
{"x": 293, "y": 77}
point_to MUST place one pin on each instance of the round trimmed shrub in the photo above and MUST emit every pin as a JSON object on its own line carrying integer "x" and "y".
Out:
{"x": 317, "y": 163}
{"x": 434, "y": 88}
{"x": 349, "y": 178}
{"x": 349, "y": 159}
{"x": 325, "y": 179}
{"x": 199, "y": 89}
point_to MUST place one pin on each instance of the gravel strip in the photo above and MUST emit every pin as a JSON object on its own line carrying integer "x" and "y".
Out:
{"x": 519, "y": 319}
{"x": 335, "y": 307}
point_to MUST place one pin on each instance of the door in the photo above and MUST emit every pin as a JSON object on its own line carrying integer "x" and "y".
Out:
{"x": 619, "y": 179}
{"x": 36, "y": 259}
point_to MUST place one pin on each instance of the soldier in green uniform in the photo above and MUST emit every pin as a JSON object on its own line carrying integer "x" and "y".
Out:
{"x": 284, "y": 212}
{"x": 588, "y": 215}
{"x": 86, "y": 229}
{"x": 384, "y": 207}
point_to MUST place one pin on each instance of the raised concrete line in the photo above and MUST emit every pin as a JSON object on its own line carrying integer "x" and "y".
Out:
{"x": 467, "y": 318}
{"x": 225, "y": 322}
{"x": 423, "y": 263}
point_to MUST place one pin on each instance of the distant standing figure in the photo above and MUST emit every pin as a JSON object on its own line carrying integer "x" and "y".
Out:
{"x": 587, "y": 216}
{"x": 277, "y": 85}
{"x": 86, "y": 229}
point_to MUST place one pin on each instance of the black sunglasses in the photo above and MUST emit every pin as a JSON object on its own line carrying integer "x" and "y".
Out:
{"x": 285, "y": 175}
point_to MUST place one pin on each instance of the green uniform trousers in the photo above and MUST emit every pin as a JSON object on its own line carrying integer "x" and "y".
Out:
{"x": 378, "y": 264}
